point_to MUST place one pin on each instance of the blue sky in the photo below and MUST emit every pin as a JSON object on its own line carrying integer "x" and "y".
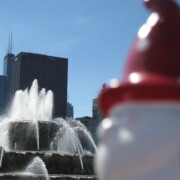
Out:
{"x": 95, "y": 35}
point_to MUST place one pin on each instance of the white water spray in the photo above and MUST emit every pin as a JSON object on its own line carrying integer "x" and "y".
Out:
{"x": 37, "y": 166}
{"x": 1, "y": 156}
{"x": 32, "y": 105}
{"x": 4, "y": 139}
{"x": 70, "y": 136}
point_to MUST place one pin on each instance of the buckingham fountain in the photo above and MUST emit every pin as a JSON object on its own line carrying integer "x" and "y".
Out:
{"x": 34, "y": 146}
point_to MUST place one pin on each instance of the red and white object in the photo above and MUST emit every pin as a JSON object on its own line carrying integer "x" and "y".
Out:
{"x": 140, "y": 136}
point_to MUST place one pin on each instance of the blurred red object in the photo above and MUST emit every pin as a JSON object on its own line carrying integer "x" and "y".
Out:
{"x": 152, "y": 70}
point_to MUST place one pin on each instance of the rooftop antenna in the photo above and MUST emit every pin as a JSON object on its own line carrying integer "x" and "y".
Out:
{"x": 10, "y": 44}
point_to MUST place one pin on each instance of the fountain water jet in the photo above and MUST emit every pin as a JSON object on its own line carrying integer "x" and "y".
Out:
{"x": 69, "y": 138}
{"x": 1, "y": 156}
{"x": 4, "y": 138}
{"x": 37, "y": 166}
{"x": 31, "y": 105}
{"x": 68, "y": 141}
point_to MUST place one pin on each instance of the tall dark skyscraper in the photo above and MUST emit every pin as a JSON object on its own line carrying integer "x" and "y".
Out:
{"x": 7, "y": 71}
{"x": 5, "y": 80}
{"x": 51, "y": 73}
{"x": 3, "y": 93}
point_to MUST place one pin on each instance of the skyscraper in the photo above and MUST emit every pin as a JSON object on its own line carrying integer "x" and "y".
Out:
{"x": 70, "y": 110}
{"x": 3, "y": 93}
{"x": 51, "y": 73}
{"x": 5, "y": 79}
{"x": 7, "y": 71}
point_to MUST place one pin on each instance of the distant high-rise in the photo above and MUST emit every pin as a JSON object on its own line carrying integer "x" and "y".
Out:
{"x": 7, "y": 68}
{"x": 96, "y": 112}
{"x": 51, "y": 73}
{"x": 70, "y": 110}
{"x": 7, "y": 71}
{"x": 3, "y": 93}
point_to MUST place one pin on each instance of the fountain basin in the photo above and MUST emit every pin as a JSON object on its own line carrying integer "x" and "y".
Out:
{"x": 56, "y": 163}
{"x": 31, "y": 136}
{"x": 23, "y": 176}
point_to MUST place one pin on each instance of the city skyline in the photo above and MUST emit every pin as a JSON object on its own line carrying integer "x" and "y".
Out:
{"x": 94, "y": 35}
